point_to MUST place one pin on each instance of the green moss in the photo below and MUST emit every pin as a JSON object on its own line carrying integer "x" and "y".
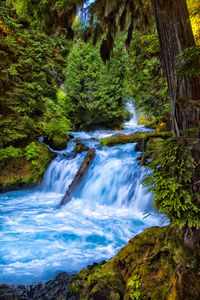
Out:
{"x": 26, "y": 169}
{"x": 80, "y": 147}
{"x": 9, "y": 152}
{"x": 57, "y": 141}
{"x": 149, "y": 261}
{"x": 147, "y": 121}
{"x": 133, "y": 138}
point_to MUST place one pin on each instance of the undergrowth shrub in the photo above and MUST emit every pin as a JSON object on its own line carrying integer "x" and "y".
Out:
{"x": 9, "y": 152}
{"x": 171, "y": 181}
{"x": 32, "y": 151}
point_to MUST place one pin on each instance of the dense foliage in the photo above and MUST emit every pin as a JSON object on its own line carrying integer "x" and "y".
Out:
{"x": 94, "y": 90}
{"x": 173, "y": 182}
{"x": 32, "y": 66}
{"x": 31, "y": 69}
{"x": 146, "y": 82}
{"x": 194, "y": 9}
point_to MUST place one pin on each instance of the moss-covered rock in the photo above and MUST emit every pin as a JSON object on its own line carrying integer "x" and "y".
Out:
{"x": 25, "y": 170}
{"x": 153, "y": 265}
{"x": 80, "y": 147}
{"x": 58, "y": 141}
{"x": 133, "y": 138}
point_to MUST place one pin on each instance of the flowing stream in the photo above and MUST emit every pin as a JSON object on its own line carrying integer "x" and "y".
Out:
{"x": 38, "y": 240}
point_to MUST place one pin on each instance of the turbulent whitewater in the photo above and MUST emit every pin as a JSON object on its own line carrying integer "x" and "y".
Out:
{"x": 38, "y": 240}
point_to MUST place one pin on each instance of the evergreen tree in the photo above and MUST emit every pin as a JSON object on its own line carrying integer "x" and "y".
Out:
{"x": 145, "y": 80}
{"x": 31, "y": 70}
{"x": 95, "y": 90}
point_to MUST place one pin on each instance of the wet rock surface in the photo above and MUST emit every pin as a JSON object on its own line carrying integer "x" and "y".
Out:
{"x": 58, "y": 142}
{"x": 80, "y": 147}
{"x": 59, "y": 288}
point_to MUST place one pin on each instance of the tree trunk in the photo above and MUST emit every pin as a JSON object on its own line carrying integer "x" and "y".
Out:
{"x": 78, "y": 177}
{"x": 175, "y": 35}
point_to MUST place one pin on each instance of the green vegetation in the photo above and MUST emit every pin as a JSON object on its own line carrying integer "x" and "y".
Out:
{"x": 94, "y": 90}
{"x": 32, "y": 151}
{"x": 32, "y": 66}
{"x": 135, "y": 285}
{"x": 132, "y": 138}
{"x": 173, "y": 179}
{"x": 9, "y": 152}
{"x": 23, "y": 167}
{"x": 80, "y": 147}
{"x": 50, "y": 86}
{"x": 154, "y": 265}
{"x": 146, "y": 82}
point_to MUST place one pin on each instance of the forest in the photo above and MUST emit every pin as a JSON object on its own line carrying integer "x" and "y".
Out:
{"x": 100, "y": 103}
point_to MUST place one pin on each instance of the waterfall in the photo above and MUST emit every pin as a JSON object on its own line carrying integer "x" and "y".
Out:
{"x": 37, "y": 240}
{"x": 133, "y": 121}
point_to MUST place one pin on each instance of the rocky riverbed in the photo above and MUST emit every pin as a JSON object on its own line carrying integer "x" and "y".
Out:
{"x": 59, "y": 288}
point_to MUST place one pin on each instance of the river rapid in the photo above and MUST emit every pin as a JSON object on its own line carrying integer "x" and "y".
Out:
{"x": 38, "y": 240}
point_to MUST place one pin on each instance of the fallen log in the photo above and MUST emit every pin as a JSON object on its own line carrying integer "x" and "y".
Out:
{"x": 132, "y": 138}
{"x": 78, "y": 177}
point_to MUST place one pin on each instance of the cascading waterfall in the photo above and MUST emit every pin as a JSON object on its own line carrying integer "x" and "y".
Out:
{"x": 133, "y": 121}
{"x": 37, "y": 240}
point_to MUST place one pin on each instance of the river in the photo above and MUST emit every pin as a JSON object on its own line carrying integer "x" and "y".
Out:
{"x": 38, "y": 240}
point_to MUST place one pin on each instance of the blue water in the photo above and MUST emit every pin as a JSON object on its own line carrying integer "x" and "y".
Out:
{"x": 38, "y": 240}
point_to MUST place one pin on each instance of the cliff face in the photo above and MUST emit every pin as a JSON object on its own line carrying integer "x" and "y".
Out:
{"x": 154, "y": 265}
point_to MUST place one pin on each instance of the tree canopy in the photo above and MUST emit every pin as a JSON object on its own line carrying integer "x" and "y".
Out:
{"x": 95, "y": 92}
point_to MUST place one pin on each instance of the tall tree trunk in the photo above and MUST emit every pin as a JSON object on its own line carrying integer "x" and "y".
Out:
{"x": 175, "y": 35}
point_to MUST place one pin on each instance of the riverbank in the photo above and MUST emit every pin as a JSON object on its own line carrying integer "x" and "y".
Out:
{"x": 155, "y": 264}
{"x": 23, "y": 167}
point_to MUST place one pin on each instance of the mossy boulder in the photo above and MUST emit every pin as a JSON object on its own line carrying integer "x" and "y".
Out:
{"x": 58, "y": 141}
{"x": 153, "y": 265}
{"x": 26, "y": 168}
{"x": 80, "y": 147}
{"x": 141, "y": 138}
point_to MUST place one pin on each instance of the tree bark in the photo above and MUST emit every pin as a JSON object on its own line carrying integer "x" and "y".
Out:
{"x": 78, "y": 177}
{"x": 175, "y": 35}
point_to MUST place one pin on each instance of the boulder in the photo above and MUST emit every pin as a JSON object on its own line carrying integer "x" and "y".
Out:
{"x": 21, "y": 172}
{"x": 58, "y": 142}
{"x": 80, "y": 147}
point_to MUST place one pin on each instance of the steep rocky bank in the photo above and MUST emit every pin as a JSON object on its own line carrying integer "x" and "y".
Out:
{"x": 153, "y": 265}
{"x": 26, "y": 169}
